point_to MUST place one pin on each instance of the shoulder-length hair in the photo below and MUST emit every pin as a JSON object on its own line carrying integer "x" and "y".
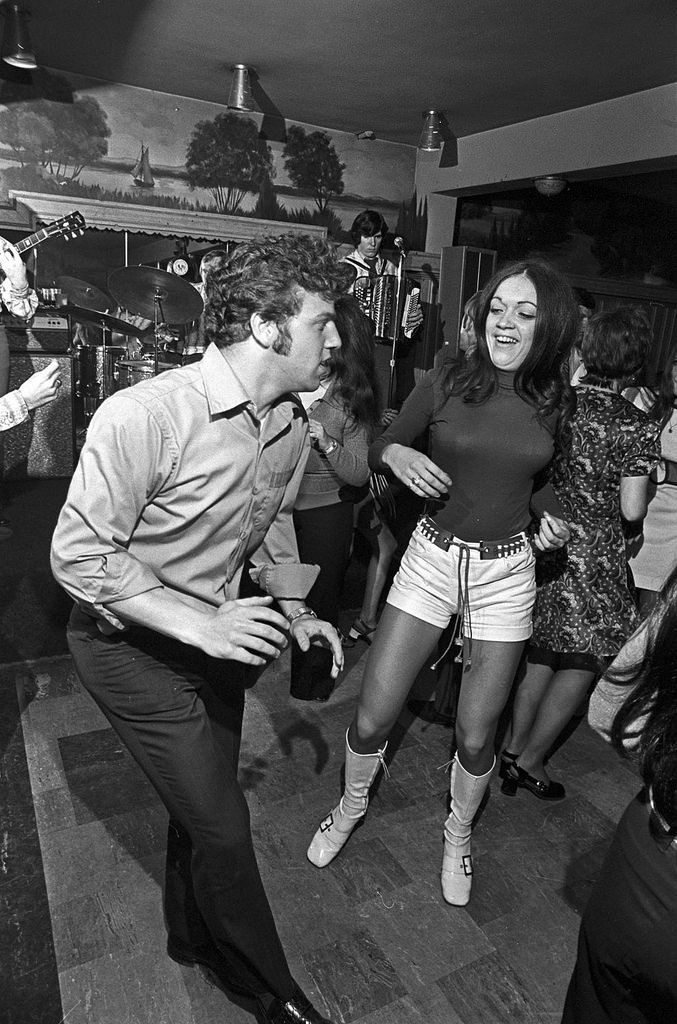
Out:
{"x": 353, "y": 364}
{"x": 616, "y": 345}
{"x": 654, "y": 696}
{"x": 367, "y": 224}
{"x": 543, "y": 378}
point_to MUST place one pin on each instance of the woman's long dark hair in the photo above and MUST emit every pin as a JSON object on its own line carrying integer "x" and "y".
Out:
{"x": 655, "y": 696}
{"x": 543, "y": 378}
{"x": 662, "y": 409}
{"x": 353, "y": 363}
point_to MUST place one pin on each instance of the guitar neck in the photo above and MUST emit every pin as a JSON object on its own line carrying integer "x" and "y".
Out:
{"x": 32, "y": 240}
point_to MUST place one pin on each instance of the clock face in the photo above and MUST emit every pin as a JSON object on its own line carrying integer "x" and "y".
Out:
{"x": 180, "y": 266}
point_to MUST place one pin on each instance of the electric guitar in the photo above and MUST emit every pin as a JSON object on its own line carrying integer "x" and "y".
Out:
{"x": 68, "y": 227}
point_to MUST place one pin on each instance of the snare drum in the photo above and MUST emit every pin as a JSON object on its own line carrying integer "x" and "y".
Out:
{"x": 132, "y": 371}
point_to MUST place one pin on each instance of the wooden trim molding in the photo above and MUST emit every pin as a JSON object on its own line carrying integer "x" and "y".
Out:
{"x": 155, "y": 220}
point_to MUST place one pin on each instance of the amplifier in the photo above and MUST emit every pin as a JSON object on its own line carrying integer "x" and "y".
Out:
{"x": 43, "y": 446}
{"x": 46, "y": 332}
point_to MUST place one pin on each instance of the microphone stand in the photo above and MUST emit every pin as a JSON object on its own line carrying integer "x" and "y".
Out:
{"x": 397, "y": 318}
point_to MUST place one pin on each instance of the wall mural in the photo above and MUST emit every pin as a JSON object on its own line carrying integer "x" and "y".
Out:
{"x": 81, "y": 137}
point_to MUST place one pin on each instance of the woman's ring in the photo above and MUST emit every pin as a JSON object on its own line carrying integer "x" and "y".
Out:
{"x": 414, "y": 480}
{"x": 57, "y": 382}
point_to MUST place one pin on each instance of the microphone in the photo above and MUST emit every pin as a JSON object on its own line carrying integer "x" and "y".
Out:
{"x": 399, "y": 244}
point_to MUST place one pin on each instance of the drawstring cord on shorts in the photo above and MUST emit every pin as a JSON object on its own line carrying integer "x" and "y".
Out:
{"x": 463, "y": 609}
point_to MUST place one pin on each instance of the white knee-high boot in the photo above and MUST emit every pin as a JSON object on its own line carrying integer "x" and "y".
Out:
{"x": 333, "y": 833}
{"x": 466, "y": 795}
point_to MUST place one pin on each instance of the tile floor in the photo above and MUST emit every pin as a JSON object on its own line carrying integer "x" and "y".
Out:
{"x": 369, "y": 938}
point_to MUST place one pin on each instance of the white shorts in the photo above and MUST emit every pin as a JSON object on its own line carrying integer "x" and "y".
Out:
{"x": 500, "y": 593}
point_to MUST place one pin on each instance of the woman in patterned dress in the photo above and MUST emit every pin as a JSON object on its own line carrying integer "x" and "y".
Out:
{"x": 584, "y": 609}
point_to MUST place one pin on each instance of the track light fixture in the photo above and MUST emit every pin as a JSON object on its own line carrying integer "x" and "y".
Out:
{"x": 431, "y": 136}
{"x": 240, "y": 97}
{"x": 16, "y": 44}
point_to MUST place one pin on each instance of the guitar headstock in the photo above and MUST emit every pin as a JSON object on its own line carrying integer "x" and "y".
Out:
{"x": 68, "y": 227}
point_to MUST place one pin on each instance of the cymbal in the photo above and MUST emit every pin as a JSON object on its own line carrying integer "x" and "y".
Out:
{"x": 97, "y": 319}
{"x": 140, "y": 289}
{"x": 82, "y": 294}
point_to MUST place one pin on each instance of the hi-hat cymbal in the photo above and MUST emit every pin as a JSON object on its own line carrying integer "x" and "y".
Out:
{"x": 143, "y": 289}
{"x": 97, "y": 319}
{"x": 82, "y": 294}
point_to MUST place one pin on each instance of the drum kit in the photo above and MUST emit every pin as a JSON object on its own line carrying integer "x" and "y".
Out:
{"x": 157, "y": 301}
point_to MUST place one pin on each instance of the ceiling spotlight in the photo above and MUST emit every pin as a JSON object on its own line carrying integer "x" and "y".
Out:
{"x": 240, "y": 97}
{"x": 16, "y": 44}
{"x": 550, "y": 185}
{"x": 366, "y": 134}
{"x": 431, "y": 136}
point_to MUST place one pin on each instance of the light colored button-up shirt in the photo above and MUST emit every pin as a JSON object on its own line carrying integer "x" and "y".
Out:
{"x": 177, "y": 484}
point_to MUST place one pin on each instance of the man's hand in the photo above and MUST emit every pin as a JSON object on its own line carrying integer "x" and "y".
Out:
{"x": 307, "y": 630}
{"x": 246, "y": 630}
{"x": 552, "y": 533}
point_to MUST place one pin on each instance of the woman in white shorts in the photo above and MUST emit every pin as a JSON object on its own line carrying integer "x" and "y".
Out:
{"x": 492, "y": 419}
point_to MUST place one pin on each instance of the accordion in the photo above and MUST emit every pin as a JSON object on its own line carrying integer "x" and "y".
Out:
{"x": 377, "y": 297}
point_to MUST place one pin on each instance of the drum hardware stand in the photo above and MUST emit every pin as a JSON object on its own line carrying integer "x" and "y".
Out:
{"x": 158, "y": 322}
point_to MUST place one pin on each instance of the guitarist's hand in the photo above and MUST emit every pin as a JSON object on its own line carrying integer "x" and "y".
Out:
{"x": 13, "y": 266}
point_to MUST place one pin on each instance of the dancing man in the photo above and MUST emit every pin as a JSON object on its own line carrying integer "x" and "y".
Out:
{"x": 182, "y": 479}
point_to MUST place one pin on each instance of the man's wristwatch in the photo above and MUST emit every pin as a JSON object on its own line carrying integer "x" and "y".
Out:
{"x": 298, "y": 612}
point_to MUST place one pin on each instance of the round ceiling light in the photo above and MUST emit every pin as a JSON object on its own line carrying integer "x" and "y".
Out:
{"x": 550, "y": 185}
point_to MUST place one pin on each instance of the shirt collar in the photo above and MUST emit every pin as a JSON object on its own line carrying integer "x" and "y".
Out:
{"x": 226, "y": 393}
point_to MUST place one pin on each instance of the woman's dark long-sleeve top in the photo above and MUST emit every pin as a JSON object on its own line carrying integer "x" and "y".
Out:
{"x": 495, "y": 453}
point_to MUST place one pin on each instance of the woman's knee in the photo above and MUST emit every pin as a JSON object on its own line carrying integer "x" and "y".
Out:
{"x": 474, "y": 741}
{"x": 369, "y": 730}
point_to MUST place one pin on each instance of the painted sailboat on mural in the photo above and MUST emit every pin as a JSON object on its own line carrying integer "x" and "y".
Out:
{"x": 141, "y": 171}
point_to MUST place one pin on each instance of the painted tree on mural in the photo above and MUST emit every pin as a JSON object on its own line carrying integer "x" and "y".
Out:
{"x": 228, "y": 157}
{"x": 49, "y": 128}
{"x": 313, "y": 164}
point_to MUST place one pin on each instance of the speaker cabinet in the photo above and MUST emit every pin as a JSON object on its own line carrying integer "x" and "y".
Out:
{"x": 463, "y": 271}
{"x": 44, "y": 445}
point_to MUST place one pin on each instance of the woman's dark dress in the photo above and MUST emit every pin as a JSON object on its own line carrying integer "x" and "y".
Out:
{"x": 583, "y": 603}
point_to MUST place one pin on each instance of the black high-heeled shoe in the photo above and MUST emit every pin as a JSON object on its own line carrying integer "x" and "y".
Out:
{"x": 517, "y": 778}
{"x": 508, "y": 787}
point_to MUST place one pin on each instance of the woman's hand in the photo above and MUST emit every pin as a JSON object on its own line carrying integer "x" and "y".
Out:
{"x": 318, "y": 435}
{"x": 416, "y": 470}
{"x": 552, "y": 533}
{"x": 42, "y": 386}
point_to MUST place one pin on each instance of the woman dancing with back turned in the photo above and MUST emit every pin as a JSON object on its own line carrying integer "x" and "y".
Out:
{"x": 492, "y": 419}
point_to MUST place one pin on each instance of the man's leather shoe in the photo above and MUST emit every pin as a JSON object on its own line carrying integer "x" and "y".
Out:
{"x": 297, "y": 1010}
